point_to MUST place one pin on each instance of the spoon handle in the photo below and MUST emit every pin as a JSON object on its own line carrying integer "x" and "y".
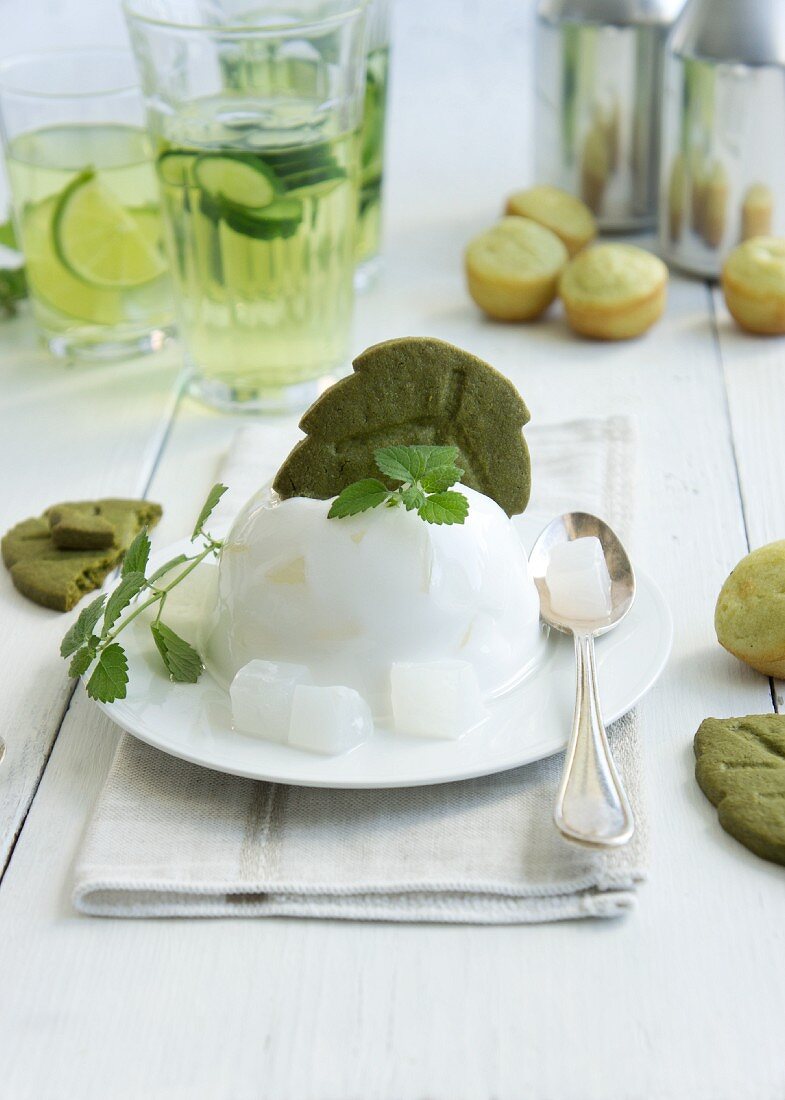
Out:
{"x": 592, "y": 806}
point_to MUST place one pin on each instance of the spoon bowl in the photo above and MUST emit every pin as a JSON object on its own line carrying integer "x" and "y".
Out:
{"x": 580, "y": 525}
{"x": 591, "y": 807}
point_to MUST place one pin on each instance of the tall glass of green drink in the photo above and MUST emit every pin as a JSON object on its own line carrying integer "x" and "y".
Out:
{"x": 85, "y": 201}
{"x": 255, "y": 116}
{"x": 372, "y": 134}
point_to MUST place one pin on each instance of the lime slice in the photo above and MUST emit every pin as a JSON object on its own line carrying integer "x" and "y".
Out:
{"x": 148, "y": 222}
{"x": 241, "y": 179}
{"x": 53, "y": 284}
{"x": 99, "y": 240}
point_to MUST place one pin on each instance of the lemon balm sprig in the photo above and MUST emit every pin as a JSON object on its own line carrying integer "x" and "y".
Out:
{"x": 89, "y": 645}
{"x": 425, "y": 473}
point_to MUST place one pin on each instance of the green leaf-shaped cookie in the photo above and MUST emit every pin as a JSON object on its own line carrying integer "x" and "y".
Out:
{"x": 740, "y": 767}
{"x": 414, "y": 390}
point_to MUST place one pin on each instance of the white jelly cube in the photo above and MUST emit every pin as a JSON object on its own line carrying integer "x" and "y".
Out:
{"x": 435, "y": 698}
{"x": 262, "y": 694}
{"x": 578, "y": 580}
{"x": 329, "y": 720}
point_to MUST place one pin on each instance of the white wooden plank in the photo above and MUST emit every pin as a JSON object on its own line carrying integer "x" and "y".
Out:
{"x": 67, "y": 433}
{"x": 315, "y": 1010}
{"x": 754, "y": 369}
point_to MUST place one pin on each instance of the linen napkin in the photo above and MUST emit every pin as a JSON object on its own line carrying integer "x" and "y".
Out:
{"x": 169, "y": 838}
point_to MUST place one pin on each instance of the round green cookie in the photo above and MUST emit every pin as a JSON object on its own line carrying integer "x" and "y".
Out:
{"x": 740, "y": 767}
{"x": 414, "y": 390}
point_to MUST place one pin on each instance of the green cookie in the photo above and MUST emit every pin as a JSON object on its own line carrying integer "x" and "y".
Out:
{"x": 414, "y": 390}
{"x": 58, "y": 578}
{"x": 740, "y": 767}
{"x": 79, "y": 529}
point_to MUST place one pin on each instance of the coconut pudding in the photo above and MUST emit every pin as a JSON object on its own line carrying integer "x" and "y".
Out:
{"x": 381, "y": 578}
{"x": 351, "y": 598}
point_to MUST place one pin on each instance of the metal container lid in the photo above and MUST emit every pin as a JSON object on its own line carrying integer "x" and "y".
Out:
{"x": 618, "y": 13}
{"x": 749, "y": 32}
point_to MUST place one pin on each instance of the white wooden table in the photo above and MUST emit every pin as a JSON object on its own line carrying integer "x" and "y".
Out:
{"x": 683, "y": 999}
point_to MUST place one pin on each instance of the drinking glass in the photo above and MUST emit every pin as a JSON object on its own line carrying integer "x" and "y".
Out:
{"x": 372, "y": 131}
{"x": 85, "y": 201}
{"x": 254, "y": 114}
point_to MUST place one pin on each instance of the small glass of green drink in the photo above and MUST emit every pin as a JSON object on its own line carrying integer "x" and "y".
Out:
{"x": 372, "y": 131}
{"x": 85, "y": 202}
{"x": 255, "y": 116}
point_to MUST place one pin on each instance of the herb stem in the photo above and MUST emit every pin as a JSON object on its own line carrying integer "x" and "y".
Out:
{"x": 160, "y": 594}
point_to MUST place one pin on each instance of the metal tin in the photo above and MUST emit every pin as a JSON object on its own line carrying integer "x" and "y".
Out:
{"x": 723, "y": 138}
{"x": 599, "y": 84}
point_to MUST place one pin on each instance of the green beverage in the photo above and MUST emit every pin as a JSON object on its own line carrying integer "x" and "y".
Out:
{"x": 260, "y": 210}
{"x": 86, "y": 205}
{"x": 369, "y": 222}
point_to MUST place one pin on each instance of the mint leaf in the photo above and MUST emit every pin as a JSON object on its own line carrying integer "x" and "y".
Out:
{"x": 183, "y": 663}
{"x": 398, "y": 463}
{"x": 137, "y": 555}
{"x": 412, "y": 463}
{"x": 359, "y": 497}
{"x": 412, "y": 498}
{"x": 110, "y": 675}
{"x": 447, "y": 508}
{"x": 83, "y": 627}
{"x": 130, "y": 586}
{"x": 81, "y": 661}
{"x": 436, "y": 457}
{"x": 8, "y": 236}
{"x": 213, "y": 497}
{"x": 181, "y": 559}
{"x": 442, "y": 478}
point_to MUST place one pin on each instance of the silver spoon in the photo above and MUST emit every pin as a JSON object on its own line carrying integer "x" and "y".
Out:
{"x": 591, "y": 806}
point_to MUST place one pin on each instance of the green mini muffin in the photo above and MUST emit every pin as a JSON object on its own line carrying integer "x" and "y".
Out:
{"x": 414, "y": 390}
{"x": 740, "y": 767}
{"x": 58, "y": 577}
{"x": 750, "y": 615}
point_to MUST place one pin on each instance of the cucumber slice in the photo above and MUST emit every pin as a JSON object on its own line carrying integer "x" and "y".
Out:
{"x": 242, "y": 179}
{"x": 314, "y": 182}
{"x": 175, "y": 168}
{"x": 280, "y": 219}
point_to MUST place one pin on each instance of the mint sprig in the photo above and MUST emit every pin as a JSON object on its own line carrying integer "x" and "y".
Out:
{"x": 13, "y": 282}
{"x": 425, "y": 475}
{"x": 89, "y": 645}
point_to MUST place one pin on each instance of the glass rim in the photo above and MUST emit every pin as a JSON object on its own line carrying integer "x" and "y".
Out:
{"x": 132, "y": 9}
{"x": 19, "y": 60}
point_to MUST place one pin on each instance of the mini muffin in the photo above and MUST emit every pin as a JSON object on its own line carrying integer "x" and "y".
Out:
{"x": 567, "y": 217}
{"x": 513, "y": 269}
{"x": 756, "y": 211}
{"x": 614, "y": 291}
{"x": 753, "y": 281}
{"x": 750, "y": 614}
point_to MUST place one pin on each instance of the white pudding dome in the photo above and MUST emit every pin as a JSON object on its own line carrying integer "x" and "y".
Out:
{"x": 349, "y": 597}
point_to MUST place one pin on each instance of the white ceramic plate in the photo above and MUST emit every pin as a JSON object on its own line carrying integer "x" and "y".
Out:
{"x": 193, "y": 721}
